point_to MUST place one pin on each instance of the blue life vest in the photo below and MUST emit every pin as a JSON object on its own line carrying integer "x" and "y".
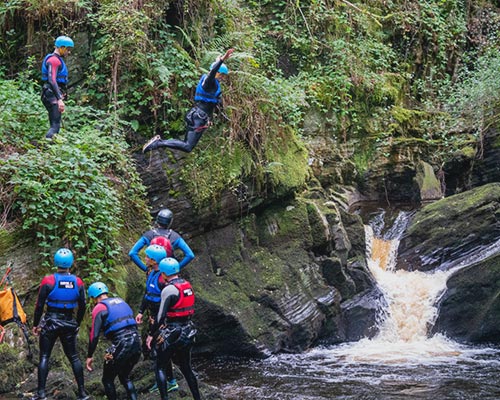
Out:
{"x": 120, "y": 315}
{"x": 62, "y": 71}
{"x": 65, "y": 294}
{"x": 208, "y": 97}
{"x": 153, "y": 290}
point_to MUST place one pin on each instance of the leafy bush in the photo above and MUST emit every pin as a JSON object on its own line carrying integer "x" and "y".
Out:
{"x": 75, "y": 191}
{"x": 23, "y": 117}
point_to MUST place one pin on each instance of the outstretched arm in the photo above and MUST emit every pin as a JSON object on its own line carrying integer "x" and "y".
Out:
{"x": 134, "y": 252}
{"x": 210, "y": 79}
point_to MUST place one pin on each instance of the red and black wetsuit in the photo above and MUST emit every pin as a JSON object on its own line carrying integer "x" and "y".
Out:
{"x": 61, "y": 292}
{"x": 55, "y": 77}
{"x": 174, "y": 317}
{"x": 115, "y": 318}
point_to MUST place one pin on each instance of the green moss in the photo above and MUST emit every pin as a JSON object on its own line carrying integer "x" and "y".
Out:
{"x": 287, "y": 167}
{"x": 426, "y": 178}
{"x": 285, "y": 226}
{"x": 469, "y": 152}
{"x": 17, "y": 368}
{"x": 430, "y": 221}
{"x": 218, "y": 167}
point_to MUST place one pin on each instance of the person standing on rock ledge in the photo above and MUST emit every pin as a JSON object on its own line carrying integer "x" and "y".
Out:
{"x": 55, "y": 78}
{"x": 62, "y": 292}
{"x": 207, "y": 97}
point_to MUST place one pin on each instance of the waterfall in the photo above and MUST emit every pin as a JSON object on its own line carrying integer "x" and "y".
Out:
{"x": 411, "y": 298}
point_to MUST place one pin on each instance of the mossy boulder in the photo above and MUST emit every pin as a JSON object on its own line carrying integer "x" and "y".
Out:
{"x": 469, "y": 310}
{"x": 14, "y": 368}
{"x": 259, "y": 291}
{"x": 443, "y": 233}
{"x": 430, "y": 187}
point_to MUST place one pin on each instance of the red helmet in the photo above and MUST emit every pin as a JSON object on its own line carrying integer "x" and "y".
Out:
{"x": 163, "y": 242}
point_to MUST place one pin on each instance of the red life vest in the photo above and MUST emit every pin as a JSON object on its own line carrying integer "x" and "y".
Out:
{"x": 185, "y": 306}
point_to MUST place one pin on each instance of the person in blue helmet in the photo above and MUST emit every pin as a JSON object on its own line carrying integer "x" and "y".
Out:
{"x": 164, "y": 220}
{"x": 207, "y": 97}
{"x": 55, "y": 79}
{"x": 114, "y": 317}
{"x": 151, "y": 303}
{"x": 61, "y": 293}
{"x": 173, "y": 332}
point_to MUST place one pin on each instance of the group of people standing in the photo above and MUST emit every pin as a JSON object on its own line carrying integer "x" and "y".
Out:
{"x": 168, "y": 300}
{"x": 207, "y": 97}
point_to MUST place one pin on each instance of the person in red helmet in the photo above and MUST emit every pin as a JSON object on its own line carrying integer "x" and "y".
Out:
{"x": 61, "y": 293}
{"x": 207, "y": 97}
{"x": 55, "y": 79}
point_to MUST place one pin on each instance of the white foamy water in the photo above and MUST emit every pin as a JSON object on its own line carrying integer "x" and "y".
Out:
{"x": 411, "y": 310}
{"x": 400, "y": 362}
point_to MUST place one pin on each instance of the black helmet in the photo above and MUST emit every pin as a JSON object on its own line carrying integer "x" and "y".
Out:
{"x": 165, "y": 217}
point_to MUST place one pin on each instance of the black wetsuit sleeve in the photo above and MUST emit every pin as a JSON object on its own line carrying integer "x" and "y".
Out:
{"x": 144, "y": 305}
{"x": 169, "y": 296}
{"x": 98, "y": 319}
{"x": 209, "y": 84}
{"x": 81, "y": 305}
{"x": 43, "y": 293}
{"x": 51, "y": 79}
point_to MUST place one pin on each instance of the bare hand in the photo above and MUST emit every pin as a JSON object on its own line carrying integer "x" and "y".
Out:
{"x": 228, "y": 54}
{"x": 149, "y": 339}
{"x": 60, "y": 105}
{"x": 36, "y": 330}
{"x": 88, "y": 364}
{"x": 138, "y": 318}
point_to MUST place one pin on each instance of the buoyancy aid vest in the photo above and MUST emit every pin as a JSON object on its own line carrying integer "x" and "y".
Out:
{"x": 62, "y": 71}
{"x": 120, "y": 315}
{"x": 65, "y": 293}
{"x": 208, "y": 97}
{"x": 185, "y": 305}
{"x": 153, "y": 290}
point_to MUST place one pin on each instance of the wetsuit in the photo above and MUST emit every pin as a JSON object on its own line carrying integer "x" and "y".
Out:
{"x": 151, "y": 303}
{"x": 174, "y": 334}
{"x": 175, "y": 239}
{"x": 62, "y": 292}
{"x": 207, "y": 97}
{"x": 152, "y": 296}
{"x": 115, "y": 318}
{"x": 55, "y": 78}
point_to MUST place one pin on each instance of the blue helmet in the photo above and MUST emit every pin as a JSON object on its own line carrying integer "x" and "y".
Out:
{"x": 223, "y": 69}
{"x": 64, "y": 41}
{"x": 156, "y": 252}
{"x": 169, "y": 266}
{"x": 63, "y": 258}
{"x": 96, "y": 289}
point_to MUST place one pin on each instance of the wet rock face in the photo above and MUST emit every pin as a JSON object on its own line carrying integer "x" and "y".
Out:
{"x": 463, "y": 173}
{"x": 260, "y": 291}
{"x": 469, "y": 310}
{"x": 359, "y": 315}
{"x": 451, "y": 230}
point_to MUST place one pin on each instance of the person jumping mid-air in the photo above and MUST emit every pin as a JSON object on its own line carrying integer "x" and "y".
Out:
{"x": 207, "y": 96}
